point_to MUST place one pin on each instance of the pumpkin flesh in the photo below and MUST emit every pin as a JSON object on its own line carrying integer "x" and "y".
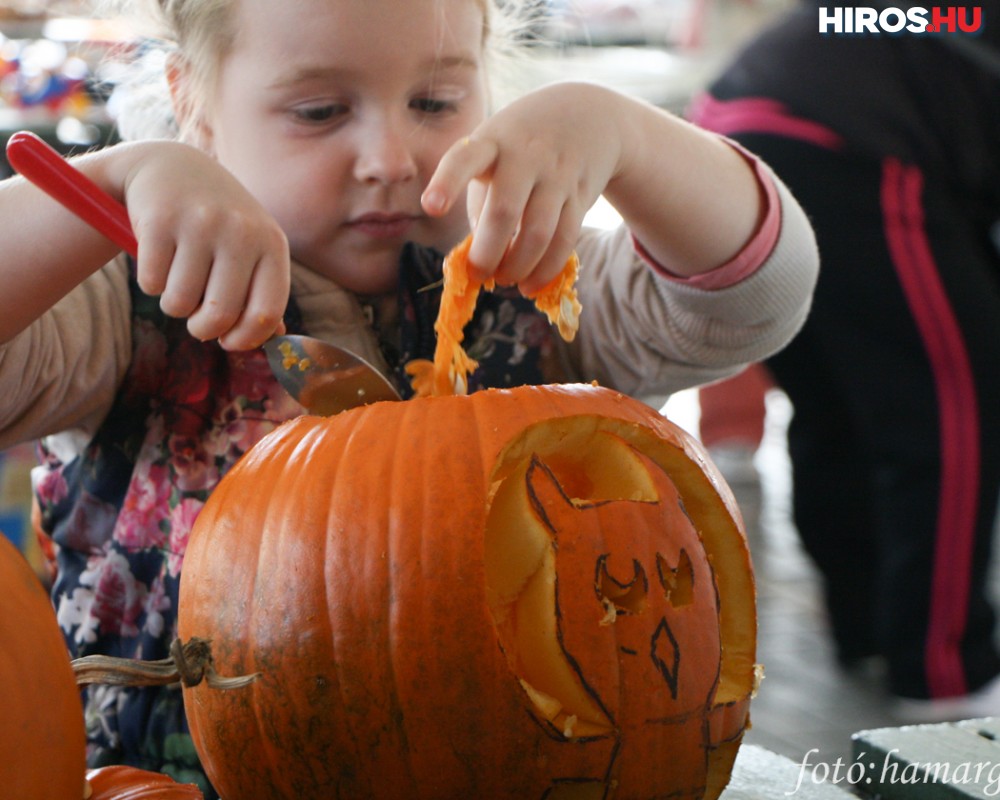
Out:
{"x": 448, "y": 372}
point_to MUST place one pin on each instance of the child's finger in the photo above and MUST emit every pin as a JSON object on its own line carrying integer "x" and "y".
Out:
{"x": 465, "y": 160}
{"x": 186, "y": 279}
{"x": 265, "y": 306}
{"x": 224, "y": 297}
{"x": 537, "y": 225}
{"x": 499, "y": 221}
{"x": 155, "y": 255}
{"x": 561, "y": 247}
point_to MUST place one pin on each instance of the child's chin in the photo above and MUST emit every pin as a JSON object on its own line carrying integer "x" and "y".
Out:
{"x": 362, "y": 276}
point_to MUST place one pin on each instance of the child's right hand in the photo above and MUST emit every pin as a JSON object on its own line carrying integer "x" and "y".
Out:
{"x": 207, "y": 247}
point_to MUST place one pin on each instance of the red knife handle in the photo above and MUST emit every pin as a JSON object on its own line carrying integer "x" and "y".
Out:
{"x": 39, "y": 163}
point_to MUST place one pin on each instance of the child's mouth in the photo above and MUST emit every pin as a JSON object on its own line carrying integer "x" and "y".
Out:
{"x": 383, "y": 226}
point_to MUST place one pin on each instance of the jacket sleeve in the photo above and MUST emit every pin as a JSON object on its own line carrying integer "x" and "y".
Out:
{"x": 649, "y": 336}
{"x": 63, "y": 371}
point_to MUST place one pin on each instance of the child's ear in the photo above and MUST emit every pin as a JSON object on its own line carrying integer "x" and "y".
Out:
{"x": 194, "y": 128}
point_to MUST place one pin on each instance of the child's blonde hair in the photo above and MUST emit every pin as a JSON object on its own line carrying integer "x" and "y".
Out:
{"x": 202, "y": 31}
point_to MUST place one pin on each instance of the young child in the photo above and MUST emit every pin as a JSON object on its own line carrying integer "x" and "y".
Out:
{"x": 328, "y": 147}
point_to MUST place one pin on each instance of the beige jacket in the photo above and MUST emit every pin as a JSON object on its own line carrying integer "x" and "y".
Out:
{"x": 639, "y": 333}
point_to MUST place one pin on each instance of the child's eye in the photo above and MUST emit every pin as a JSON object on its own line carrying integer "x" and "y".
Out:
{"x": 431, "y": 105}
{"x": 318, "y": 114}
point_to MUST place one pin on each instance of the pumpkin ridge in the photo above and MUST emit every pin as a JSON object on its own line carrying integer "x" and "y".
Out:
{"x": 274, "y": 527}
{"x": 380, "y": 568}
{"x": 334, "y": 574}
{"x": 330, "y": 584}
{"x": 272, "y": 517}
{"x": 400, "y": 467}
{"x": 480, "y": 418}
{"x": 464, "y": 420}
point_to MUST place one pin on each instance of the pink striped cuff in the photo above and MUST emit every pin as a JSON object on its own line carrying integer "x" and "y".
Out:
{"x": 754, "y": 252}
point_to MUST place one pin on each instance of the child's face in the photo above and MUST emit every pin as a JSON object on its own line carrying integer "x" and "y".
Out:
{"x": 335, "y": 113}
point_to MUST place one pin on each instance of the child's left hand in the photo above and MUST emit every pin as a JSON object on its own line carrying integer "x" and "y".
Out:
{"x": 536, "y": 167}
{"x": 533, "y": 170}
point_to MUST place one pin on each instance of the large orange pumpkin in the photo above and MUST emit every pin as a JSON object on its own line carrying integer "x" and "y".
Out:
{"x": 42, "y": 739}
{"x": 541, "y": 592}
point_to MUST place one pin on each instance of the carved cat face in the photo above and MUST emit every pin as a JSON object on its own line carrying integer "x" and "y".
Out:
{"x": 606, "y": 625}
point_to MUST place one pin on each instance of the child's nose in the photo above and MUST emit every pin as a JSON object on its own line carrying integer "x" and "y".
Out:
{"x": 386, "y": 156}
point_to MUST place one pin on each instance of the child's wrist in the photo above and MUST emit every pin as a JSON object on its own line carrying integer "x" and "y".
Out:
{"x": 753, "y": 254}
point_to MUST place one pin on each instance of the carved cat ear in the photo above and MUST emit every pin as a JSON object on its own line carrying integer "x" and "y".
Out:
{"x": 530, "y": 511}
{"x": 546, "y": 494}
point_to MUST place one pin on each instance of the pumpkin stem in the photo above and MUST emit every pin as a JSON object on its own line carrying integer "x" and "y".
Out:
{"x": 189, "y": 663}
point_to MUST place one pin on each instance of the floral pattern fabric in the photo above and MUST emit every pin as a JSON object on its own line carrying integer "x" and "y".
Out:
{"x": 122, "y": 511}
{"x": 507, "y": 335}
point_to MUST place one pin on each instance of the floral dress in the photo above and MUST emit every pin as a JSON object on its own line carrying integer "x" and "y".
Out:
{"x": 121, "y": 512}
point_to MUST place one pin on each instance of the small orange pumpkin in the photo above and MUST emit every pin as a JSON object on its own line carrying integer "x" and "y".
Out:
{"x": 41, "y": 723}
{"x": 129, "y": 783}
{"x": 528, "y": 593}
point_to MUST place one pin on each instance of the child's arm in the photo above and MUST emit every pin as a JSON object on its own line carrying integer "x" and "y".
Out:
{"x": 538, "y": 165}
{"x": 212, "y": 253}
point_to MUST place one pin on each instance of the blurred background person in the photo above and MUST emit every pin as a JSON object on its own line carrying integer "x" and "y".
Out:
{"x": 891, "y": 142}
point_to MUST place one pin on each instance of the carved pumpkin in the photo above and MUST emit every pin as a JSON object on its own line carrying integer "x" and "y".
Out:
{"x": 542, "y": 592}
{"x": 41, "y": 722}
{"x": 130, "y": 783}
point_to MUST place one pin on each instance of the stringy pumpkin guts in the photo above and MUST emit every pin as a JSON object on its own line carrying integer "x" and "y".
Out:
{"x": 448, "y": 373}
